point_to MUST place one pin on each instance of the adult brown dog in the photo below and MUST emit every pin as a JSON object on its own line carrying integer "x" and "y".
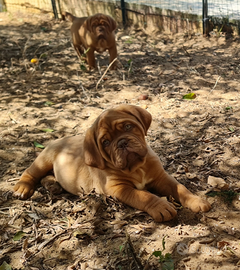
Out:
{"x": 114, "y": 159}
{"x": 94, "y": 33}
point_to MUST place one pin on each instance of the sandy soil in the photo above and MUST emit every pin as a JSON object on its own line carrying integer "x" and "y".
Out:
{"x": 194, "y": 139}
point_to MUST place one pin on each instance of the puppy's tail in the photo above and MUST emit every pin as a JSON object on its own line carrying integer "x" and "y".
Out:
{"x": 68, "y": 16}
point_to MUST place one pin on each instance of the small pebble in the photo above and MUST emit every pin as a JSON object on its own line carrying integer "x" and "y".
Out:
{"x": 143, "y": 97}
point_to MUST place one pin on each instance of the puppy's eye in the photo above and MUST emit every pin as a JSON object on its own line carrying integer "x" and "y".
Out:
{"x": 128, "y": 127}
{"x": 106, "y": 143}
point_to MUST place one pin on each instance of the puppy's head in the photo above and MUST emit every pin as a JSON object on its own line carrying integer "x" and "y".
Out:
{"x": 101, "y": 25}
{"x": 117, "y": 139}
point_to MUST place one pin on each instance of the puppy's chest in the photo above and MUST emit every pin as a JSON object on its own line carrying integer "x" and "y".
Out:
{"x": 100, "y": 49}
{"x": 142, "y": 180}
{"x": 101, "y": 45}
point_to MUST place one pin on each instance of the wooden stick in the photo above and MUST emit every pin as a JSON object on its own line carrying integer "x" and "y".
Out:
{"x": 105, "y": 72}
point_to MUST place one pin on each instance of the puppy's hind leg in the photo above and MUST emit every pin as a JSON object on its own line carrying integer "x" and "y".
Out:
{"x": 31, "y": 176}
{"x": 80, "y": 52}
{"x": 49, "y": 183}
{"x": 86, "y": 56}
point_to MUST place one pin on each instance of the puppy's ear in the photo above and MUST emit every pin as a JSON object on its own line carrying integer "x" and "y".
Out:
{"x": 92, "y": 155}
{"x": 142, "y": 115}
{"x": 112, "y": 23}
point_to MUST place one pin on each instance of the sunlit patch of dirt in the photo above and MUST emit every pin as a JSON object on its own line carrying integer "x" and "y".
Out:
{"x": 193, "y": 138}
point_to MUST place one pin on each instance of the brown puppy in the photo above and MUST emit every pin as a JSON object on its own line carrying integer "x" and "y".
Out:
{"x": 114, "y": 159}
{"x": 94, "y": 33}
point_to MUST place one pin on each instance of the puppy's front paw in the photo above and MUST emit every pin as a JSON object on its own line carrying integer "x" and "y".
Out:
{"x": 162, "y": 211}
{"x": 196, "y": 204}
{"x": 23, "y": 190}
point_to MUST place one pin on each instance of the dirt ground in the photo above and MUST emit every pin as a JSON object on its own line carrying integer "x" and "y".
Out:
{"x": 194, "y": 139}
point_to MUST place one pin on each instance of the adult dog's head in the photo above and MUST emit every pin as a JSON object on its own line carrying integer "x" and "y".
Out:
{"x": 117, "y": 139}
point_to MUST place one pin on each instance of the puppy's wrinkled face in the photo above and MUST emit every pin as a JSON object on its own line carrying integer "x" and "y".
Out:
{"x": 100, "y": 28}
{"x": 116, "y": 140}
{"x": 121, "y": 143}
{"x": 101, "y": 25}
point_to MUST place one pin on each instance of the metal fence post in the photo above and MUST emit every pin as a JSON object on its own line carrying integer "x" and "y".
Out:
{"x": 123, "y": 12}
{"x": 54, "y": 9}
{"x": 205, "y": 17}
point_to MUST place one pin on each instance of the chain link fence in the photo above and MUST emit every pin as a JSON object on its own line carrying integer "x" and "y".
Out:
{"x": 170, "y": 15}
{"x": 221, "y": 13}
{"x": 216, "y": 8}
{"x": 225, "y": 14}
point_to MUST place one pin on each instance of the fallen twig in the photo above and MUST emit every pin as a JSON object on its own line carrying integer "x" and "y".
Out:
{"x": 13, "y": 179}
{"x": 214, "y": 85}
{"x": 99, "y": 69}
{"x": 187, "y": 53}
{"x": 46, "y": 242}
{"x": 105, "y": 72}
{"x": 12, "y": 119}
{"x": 130, "y": 68}
{"x": 65, "y": 231}
{"x": 130, "y": 249}
{"x": 80, "y": 83}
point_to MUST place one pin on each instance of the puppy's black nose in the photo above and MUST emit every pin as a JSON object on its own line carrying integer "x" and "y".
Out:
{"x": 123, "y": 143}
{"x": 100, "y": 28}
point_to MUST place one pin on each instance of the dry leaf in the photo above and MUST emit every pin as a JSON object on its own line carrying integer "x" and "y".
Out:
{"x": 222, "y": 244}
{"x": 118, "y": 224}
{"x": 217, "y": 182}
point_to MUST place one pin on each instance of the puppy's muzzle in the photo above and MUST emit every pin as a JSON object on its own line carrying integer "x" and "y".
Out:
{"x": 122, "y": 144}
{"x": 100, "y": 32}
